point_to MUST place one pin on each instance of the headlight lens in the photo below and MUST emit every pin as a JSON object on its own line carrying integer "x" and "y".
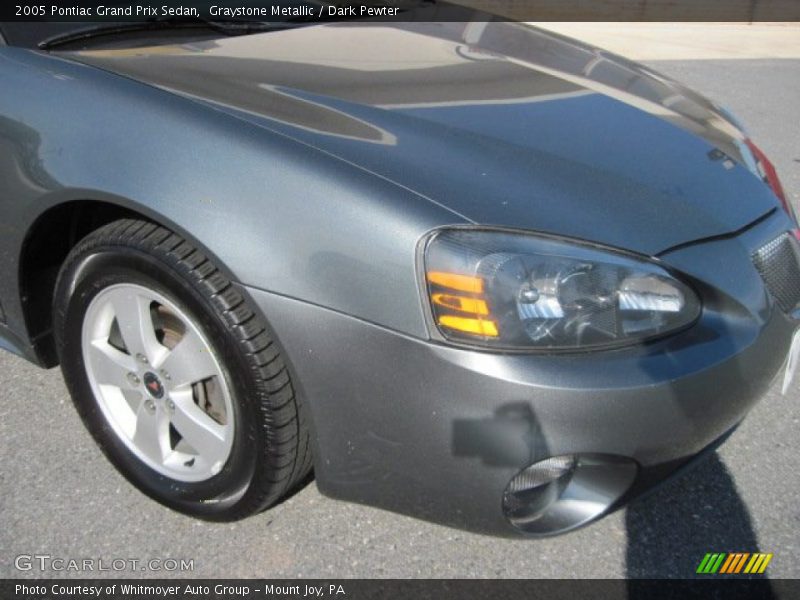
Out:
{"x": 521, "y": 291}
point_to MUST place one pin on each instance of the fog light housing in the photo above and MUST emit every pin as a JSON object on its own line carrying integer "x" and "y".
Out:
{"x": 561, "y": 493}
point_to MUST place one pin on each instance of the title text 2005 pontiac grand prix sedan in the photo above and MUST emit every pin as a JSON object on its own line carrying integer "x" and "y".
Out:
{"x": 473, "y": 272}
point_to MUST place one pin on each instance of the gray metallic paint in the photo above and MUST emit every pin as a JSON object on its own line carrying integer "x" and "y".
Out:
{"x": 206, "y": 174}
{"x": 312, "y": 183}
{"x": 435, "y": 431}
{"x": 500, "y": 130}
{"x": 310, "y": 189}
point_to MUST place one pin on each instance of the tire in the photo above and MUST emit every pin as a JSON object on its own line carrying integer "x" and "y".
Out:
{"x": 220, "y": 434}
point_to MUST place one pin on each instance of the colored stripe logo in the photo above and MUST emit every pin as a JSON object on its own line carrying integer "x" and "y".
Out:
{"x": 733, "y": 563}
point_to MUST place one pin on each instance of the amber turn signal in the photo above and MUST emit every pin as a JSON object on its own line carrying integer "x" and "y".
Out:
{"x": 462, "y": 283}
{"x": 470, "y": 305}
{"x": 476, "y": 326}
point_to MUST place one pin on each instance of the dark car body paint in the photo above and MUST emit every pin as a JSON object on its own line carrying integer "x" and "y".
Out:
{"x": 310, "y": 170}
{"x": 437, "y": 432}
{"x": 287, "y": 154}
{"x": 521, "y": 129}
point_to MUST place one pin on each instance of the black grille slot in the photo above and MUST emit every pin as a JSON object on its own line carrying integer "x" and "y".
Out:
{"x": 779, "y": 264}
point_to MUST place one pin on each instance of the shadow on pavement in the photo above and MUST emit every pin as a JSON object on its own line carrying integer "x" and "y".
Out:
{"x": 671, "y": 530}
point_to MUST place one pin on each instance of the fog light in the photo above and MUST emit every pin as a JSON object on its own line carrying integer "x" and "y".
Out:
{"x": 564, "y": 492}
{"x": 542, "y": 473}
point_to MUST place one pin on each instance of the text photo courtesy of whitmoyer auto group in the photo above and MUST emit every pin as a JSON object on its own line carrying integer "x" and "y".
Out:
{"x": 407, "y": 299}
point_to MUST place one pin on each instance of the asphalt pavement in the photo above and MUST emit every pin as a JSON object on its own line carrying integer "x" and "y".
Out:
{"x": 60, "y": 497}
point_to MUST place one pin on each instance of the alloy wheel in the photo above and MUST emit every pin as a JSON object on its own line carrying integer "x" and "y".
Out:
{"x": 157, "y": 382}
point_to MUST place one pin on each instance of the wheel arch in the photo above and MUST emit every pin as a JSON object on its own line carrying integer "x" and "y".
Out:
{"x": 48, "y": 241}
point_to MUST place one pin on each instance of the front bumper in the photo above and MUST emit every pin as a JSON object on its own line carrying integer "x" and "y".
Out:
{"x": 438, "y": 432}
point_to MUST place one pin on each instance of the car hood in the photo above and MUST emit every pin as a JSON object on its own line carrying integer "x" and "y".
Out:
{"x": 501, "y": 123}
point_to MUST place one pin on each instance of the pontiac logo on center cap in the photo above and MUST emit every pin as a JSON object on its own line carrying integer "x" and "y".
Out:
{"x": 153, "y": 385}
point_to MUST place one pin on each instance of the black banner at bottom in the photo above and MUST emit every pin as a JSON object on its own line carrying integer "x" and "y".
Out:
{"x": 356, "y": 589}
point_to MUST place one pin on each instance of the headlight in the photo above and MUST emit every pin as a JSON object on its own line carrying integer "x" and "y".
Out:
{"x": 521, "y": 291}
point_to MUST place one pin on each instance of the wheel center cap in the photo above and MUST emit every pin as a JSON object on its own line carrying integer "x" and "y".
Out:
{"x": 153, "y": 385}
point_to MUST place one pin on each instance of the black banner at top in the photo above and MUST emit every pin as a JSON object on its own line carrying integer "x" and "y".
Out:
{"x": 402, "y": 10}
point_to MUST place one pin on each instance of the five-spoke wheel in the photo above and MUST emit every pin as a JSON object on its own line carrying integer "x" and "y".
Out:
{"x": 175, "y": 374}
{"x": 158, "y": 382}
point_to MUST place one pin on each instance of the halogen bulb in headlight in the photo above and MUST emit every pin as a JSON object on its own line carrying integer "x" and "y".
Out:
{"x": 524, "y": 291}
